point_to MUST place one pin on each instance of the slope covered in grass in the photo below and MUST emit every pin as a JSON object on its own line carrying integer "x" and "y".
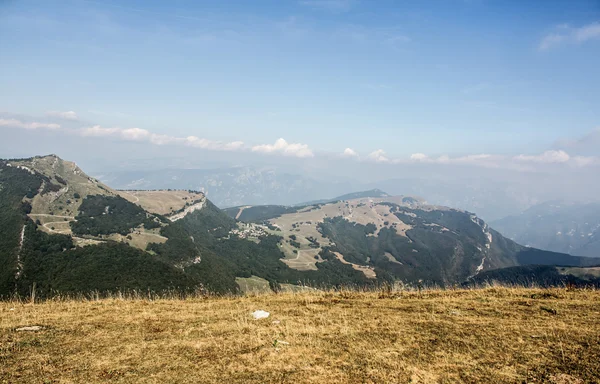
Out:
{"x": 492, "y": 335}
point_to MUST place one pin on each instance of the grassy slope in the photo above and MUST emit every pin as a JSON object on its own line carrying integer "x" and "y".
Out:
{"x": 163, "y": 202}
{"x": 490, "y": 335}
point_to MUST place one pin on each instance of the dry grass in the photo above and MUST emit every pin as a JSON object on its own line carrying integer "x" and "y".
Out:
{"x": 491, "y": 335}
{"x": 161, "y": 202}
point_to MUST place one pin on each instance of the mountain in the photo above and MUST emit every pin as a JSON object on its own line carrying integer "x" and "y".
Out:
{"x": 349, "y": 196}
{"x": 540, "y": 276}
{"x": 492, "y": 199}
{"x": 228, "y": 187}
{"x": 258, "y": 213}
{"x": 556, "y": 226}
{"x": 63, "y": 231}
{"x": 395, "y": 238}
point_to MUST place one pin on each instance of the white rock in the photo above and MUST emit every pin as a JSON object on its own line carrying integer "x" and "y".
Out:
{"x": 31, "y": 328}
{"x": 260, "y": 314}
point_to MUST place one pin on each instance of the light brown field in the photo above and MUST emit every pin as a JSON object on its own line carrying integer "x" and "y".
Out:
{"x": 161, "y": 202}
{"x": 492, "y": 335}
{"x": 304, "y": 260}
{"x": 140, "y": 238}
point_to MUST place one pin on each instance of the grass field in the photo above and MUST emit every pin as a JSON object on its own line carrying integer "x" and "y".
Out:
{"x": 161, "y": 202}
{"x": 491, "y": 335}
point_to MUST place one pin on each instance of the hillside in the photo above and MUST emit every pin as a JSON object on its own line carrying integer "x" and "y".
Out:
{"x": 556, "y": 226}
{"x": 492, "y": 335}
{"x": 258, "y": 213}
{"x": 63, "y": 231}
{"x": 349, "y": 196}
{"x": 395, "y": 238}
{"x": 109, "y": 243}
{"x": 541, "y": 276}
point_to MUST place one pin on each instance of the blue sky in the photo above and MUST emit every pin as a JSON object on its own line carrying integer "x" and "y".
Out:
{"x": 439, "y": 78}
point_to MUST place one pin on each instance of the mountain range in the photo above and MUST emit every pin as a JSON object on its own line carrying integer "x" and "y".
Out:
{"x": 492, "y": 199}
{"x": 233, "y": 186}
{"x": 64, "y": 231}
{"x": 557, "y": 226}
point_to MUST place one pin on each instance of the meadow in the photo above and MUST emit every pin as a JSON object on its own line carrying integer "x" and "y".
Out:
{"x": 492, "y": 334}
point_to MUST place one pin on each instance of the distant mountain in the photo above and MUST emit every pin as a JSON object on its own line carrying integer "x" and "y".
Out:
{"x": 395, "y": 238}
{"x": 230, "y": 187}
{"x": 540, "y": 276}
{"x": 556, "y": 226}
{"x": 490, "y": 199}
{"x": 349, "y": 196}
{"x": 258, "y": 213}
{"x": 64, "y": 231}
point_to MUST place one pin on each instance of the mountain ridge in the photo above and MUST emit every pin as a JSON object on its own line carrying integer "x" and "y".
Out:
{"x": 65, "y": 231}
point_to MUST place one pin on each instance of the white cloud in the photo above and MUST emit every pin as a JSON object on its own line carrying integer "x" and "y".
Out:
{"x": 139, "y": 134}
{"x": 565, "y": 34}
{"x": 283, "y": 147}
{"x": 419, "y": 157}
{"x": 24, "y": 125}
{"x": 280, "y": 147}
{"x": 547, "y": 157}
{"x": 379, "y": 156}
{"x": 69, "y": 115}
{"x": 98, "y": 131}
{"x": 196, "y": 142}
{"x": 349, "y": 152}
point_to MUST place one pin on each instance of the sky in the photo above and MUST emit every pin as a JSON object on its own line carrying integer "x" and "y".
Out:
{"x": 509, "y": 85}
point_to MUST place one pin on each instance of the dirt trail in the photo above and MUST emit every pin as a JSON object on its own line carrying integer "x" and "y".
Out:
{"x": 237, "y": 217}
{"x": 304, "y": 260}
{"x": 48, "y": 215}
{"x": 137, "y": 199}
{"x": 22, "y": 238}
{"x": 19, "y": 263}
{"x": 45, "y": 225}
{"x": 368, "y": 271}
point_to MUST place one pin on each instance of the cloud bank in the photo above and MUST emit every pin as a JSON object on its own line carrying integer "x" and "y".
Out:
{"x": 524, "y": 162}
{"x": 14, "y": 123}
{"x": 283, "y": 147}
